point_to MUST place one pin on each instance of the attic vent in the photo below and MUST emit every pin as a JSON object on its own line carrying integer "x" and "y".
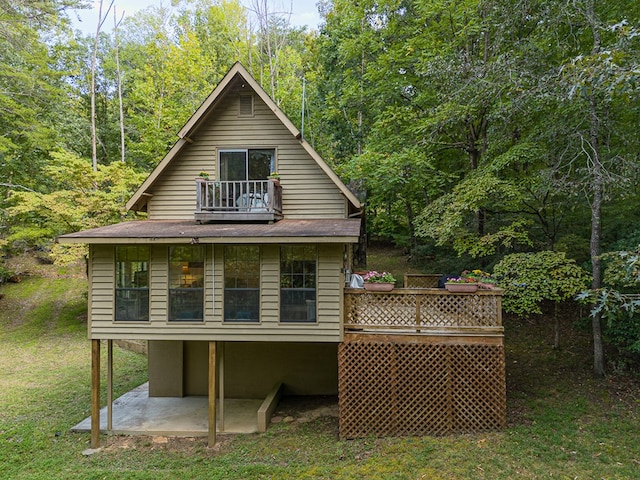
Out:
{"x": 246, "y": 106}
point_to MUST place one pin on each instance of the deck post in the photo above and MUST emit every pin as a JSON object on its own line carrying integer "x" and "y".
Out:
{"x": 212, "y": 394}
{"x": 95, "y": 393}
{"x": 109, "y": 385}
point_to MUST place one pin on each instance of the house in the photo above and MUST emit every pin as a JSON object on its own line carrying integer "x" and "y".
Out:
{"x": 237, "y": 281}
{"x": 251, "y": 265}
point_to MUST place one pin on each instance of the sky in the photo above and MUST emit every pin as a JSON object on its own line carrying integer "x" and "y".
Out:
{"x": 304, "y": 12}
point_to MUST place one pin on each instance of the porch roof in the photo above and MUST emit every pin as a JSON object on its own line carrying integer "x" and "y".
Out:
{"x": 340, "y": 230}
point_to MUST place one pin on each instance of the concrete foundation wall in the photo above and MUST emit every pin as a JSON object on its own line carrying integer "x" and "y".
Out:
{"x": 251, "y": 369}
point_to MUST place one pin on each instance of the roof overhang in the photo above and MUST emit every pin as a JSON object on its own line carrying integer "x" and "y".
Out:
{"x": 341, "y": 230}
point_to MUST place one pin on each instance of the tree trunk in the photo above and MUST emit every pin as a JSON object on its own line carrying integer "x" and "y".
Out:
{"x": 94, "y": 143}
{"x": 119, "y": 81}
{"x": 596, "y": 233}
{"x": 597, "y": 179}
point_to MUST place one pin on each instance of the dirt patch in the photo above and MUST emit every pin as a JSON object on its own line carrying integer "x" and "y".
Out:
{"x": 28, "y": 264}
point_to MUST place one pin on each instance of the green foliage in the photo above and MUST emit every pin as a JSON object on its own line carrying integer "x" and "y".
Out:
{"x": 528, "y": 279}
{"x": 618, "y": 302}
{"x": 79, "y": 199}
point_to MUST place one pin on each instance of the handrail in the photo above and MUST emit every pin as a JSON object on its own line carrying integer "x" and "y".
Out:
{"x": 250, "y": 196}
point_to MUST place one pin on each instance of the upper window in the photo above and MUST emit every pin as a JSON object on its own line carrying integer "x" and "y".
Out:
{"x": 132, "y": 283}
{"x": 241, "y": 283}
{"x": 186, "y": 283}
{"x": 246, "y": 164}
{"x": 298, "y": 266}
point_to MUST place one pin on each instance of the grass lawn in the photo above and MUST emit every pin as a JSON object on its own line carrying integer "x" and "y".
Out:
{"x": 562, "y": 423}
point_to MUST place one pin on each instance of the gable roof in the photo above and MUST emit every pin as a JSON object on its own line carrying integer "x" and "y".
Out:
{"x": 139, "y": 199}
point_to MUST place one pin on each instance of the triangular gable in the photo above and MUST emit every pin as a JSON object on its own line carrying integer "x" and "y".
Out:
{"x": 139, "y": 198}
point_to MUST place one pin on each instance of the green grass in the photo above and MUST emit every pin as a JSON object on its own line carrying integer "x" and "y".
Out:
{"x": 562, "y": 423}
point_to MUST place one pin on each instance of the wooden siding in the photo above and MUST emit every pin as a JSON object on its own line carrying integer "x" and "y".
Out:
{"x": 307, "y": 191}
{"x": 102, "y": 285}
{"x": 328, "y": 327}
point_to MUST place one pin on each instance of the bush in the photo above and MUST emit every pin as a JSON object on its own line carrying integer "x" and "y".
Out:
{"x": 528, "y": 279}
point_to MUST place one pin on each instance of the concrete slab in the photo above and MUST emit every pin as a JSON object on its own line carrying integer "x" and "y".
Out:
{"x": 135, "y": 413}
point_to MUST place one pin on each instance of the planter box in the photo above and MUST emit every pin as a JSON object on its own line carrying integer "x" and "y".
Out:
{"x": 461, "y": 287}
{"x": 378, "y": 287}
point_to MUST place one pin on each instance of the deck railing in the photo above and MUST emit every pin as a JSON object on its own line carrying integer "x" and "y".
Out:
{"x": 428, "y": 311}
{"x": 241, "y": 200}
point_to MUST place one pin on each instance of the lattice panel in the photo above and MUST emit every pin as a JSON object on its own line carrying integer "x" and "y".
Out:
{"x": 458, "y": 310}
{"x": 397, "y": 310}
{"x": 381, "y": 309}
{"x": 391, "y": 389}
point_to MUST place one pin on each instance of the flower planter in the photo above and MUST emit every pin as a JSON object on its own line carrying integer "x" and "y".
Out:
{"x": 487, "y": 286}
{"x": 461, "y": 287}
{"x": 378, "y": 287}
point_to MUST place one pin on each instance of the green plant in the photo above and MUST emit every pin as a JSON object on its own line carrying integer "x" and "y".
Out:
{"x": 618, "y": 301}
{"x": 530, "y": 278}
{"x": 275, "y": 175}
{"x": 378, "y": 277}
{"x": 204, "y": 175}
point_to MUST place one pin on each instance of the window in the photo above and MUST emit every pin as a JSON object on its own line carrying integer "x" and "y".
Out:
{"x": 246, "y": 164}
{"x": 242, "y": 283}
{"x": 132, "y": 284}
{"x": 298, "y": 283}
{"x": 186, "y": 283}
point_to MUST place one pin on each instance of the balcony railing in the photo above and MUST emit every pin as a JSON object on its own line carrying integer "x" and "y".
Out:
{"x": 432, "y": 311}
{"x": 253, "y": 200}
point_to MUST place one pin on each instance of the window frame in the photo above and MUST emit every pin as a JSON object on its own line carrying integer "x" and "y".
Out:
{"x": 186, "y": 277}
{"x": 247, "y": 157}
{"x": 257, "y": 306}
{"x": 310, "y": 309}
{"x": 127, "y": 275}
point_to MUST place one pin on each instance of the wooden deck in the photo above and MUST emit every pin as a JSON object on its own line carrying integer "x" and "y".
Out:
{"x": 238, "y": 201}
{"x": 421, "y": 361}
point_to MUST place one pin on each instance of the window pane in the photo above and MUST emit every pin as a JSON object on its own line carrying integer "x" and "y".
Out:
{"x": 186, "y": 283}
{"x": 132, "y": 304}
{"x": 298, "y": 283}
{"x": 233, "y": 165}
{"x": 261, "y": 164}
{"x": 132, "y": 283}
{"x": 186, "y": 304}
{"x": 242, "y": 283}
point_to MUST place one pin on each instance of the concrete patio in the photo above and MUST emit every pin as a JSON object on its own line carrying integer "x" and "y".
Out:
{"x": 135, "y": 413}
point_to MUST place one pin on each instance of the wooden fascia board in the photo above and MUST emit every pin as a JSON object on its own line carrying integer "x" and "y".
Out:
{"x": 134, "y": 202}
{"x": 205, "y": 240}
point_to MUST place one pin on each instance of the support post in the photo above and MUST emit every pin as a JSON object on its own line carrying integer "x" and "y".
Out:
{"x": 109, "y": 385}
{"x": 221, "y": 384}
{"x": 95, "y": 393}
{"x": 212, "y": 394}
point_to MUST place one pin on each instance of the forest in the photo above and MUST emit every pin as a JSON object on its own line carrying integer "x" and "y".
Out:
{"x": 480, "y": 134}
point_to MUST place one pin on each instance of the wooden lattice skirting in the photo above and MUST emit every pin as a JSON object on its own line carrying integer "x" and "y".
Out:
{"x": 392, "y": 388}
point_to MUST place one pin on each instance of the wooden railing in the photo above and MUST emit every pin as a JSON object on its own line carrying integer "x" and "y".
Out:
{"x": 429, "y": 311}
{"x": 238, "y": 200}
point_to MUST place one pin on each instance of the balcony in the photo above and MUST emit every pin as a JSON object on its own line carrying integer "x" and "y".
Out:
{"x": 238, "y": 201}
